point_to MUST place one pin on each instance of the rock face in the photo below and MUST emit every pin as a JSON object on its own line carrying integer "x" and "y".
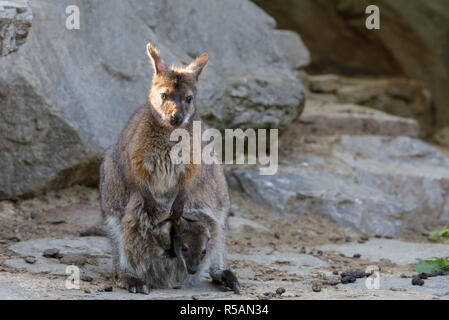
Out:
{"x": 15, "y": 23}
{"x": 358, "y": 166}
{"x": 398, "y": 96}
{"x": 382, "y": 185}
{"x": 411, "y": 40}
{"x": 65, "y": 96}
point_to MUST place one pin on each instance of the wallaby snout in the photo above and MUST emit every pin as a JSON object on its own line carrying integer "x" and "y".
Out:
{"x": 176, "y": 118}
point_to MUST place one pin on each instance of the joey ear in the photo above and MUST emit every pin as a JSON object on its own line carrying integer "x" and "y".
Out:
{"x": 164, "y": 227}
{"x": 158, "y": 65}
{"x": 180, "y": 224}
{"x": 198, "y": 64}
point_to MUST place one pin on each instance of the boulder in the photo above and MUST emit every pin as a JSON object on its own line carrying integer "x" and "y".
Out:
{"x": 381, "y": 185}
{"x": 15, "y": 23}
{"x": 398, "y": 96}
{"x": 321, "y": 118}
{"x": 295, "y": 52}
{"x": 410, "y": 42}
{"x": 65, "y": 96}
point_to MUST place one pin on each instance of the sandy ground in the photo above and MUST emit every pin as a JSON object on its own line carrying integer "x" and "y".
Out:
{"x": 47, "y": 216}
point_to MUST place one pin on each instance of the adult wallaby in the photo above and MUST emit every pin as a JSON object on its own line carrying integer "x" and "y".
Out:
{"x": 140, "y": 186}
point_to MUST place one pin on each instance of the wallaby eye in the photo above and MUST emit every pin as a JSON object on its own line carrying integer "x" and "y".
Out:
{"x": 184, "y": 248}
{"x": 163, "y": 96}
{"x": 189, "y": 99}
{"x": 203, "y": 253}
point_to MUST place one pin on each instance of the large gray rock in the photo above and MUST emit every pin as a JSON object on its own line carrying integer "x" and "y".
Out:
{"x": 397, "y": 251}
{"x": 96, "y": 249}
{"x": 15, "y": 23}
{"x": 375, "y": 184}
{"x": 65, "y": 96}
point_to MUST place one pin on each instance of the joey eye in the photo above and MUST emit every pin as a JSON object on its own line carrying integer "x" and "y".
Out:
{"x": 184, "y": 248}
{"x": 189, "y": 99}
{"x": 163, "y": 96}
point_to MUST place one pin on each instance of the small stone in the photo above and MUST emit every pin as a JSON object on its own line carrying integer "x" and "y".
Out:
{"x": 74, "y": 259}
{"x": 348, "y": 279}
{"x": 280, "y": 290}
{"x": 364, "y": 238}
{"x": 357, "y": 255}
{"x": 107, "y": 289}
{"x": 335, "y": 272}
{"x": 86, "y": 291}
{"x": 30, "y": 260}
{"x": 86, "y": 278}
{"x": 423, "y": 275}
{"x": 417, "y": 281}
{"x": 52, "y": 253}
{"x": 277, "y": 236}
{"x": 398, "y": 289}
{"x": 316, "y": 287}
{"x": 403, "y": 275}
{"x": 56, "y": 222}
{"x": 303, "y": 250}
{"x": 348, "y": 239}
{"x": 196, "y": 297}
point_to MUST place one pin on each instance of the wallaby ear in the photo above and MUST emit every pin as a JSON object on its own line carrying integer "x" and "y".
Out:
{"x": 158, "y": 64}
{"x": 198, "y": 64}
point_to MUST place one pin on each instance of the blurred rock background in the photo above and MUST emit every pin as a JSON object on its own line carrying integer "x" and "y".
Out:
{"x": 362, "y": 112}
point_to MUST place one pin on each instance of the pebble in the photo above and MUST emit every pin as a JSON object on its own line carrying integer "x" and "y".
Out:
{"x": 30, "y": 259}
{"x": 417, "y": 281}
{"x": 423, "y": 275}
{"x": 108, "y": 289}
{"x": 86, "y": 278}
{"x": 348, "y": 279}
{"x": 335, "y": 272}
{"x": 357, "y": 255}
{"x": 398, "y": 289}
{"x": 280, "y": 290}
{"x": 52, "y": 253}
{"x": 354, "y": 274}
{"x": 316, "y": 287}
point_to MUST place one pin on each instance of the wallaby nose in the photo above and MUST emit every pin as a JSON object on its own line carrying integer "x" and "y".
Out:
{"x": 176, "y": 118}
{"x": 192, "y": 269}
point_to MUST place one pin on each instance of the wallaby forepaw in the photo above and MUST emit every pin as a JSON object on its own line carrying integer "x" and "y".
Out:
{"x": 230, "y": 281}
